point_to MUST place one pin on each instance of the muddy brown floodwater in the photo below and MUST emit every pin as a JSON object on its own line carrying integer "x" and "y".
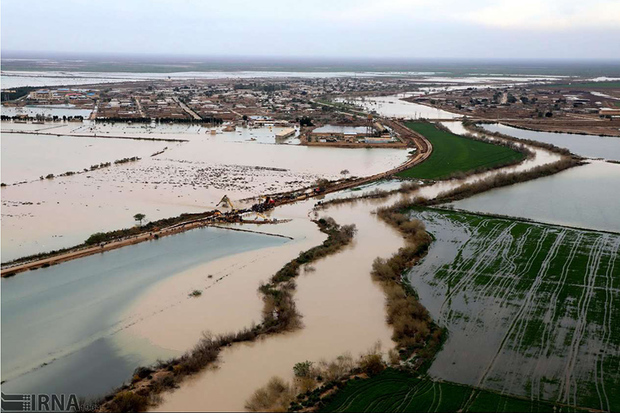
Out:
{"x": 342, "y": 308}
{"x": 188, "y": 177}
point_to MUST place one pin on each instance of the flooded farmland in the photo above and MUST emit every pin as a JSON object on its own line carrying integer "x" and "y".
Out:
{"x": 517, "y": 283}
{"x": 529, "y": 308}
{"x": 578, "y": 197}
{"x": 396, "y": 107}
{"x": 187, "y": 177}
{"x": 51, "y": 110}
{"x": 589, "y": 146}
{"x": 27, "y": 157}
{"x": 328, "y": 299}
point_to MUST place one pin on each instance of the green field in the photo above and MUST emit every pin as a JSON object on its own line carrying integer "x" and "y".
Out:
{"x": 453, "y": 153}
{"x": 531, "y": 309}
{"x": 396, "y": 391}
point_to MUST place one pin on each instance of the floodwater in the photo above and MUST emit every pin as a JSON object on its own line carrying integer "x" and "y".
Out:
{"x": 11, "y": 78}
{"x": 51, "y": 110}
{"x": 229, "y": 301}
{"x": 580, "y": 197}
{"x": 341, "y": 129}
{"x": 589, "y": 146}
{"x": 26, "y": 157}
{"x": 63, "y": 326}
{"x": 187, "y": 177}
{"x": 526, "y": 307}
{"x": 395, "y": 107}
{"x": 342, "y": 310}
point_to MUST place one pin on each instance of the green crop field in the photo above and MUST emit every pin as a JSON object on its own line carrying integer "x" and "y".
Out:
{"x": 531, "y": 309}
{"x": 453, "y": 153}
{"x": 396, "y": 391}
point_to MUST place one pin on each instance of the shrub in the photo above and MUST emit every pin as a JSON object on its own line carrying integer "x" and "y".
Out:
{"x": 96, "y": 238}
{"x": 303, "y": 369}
{"x": 127, "y": 401}
{"x": 276, "y": 395}
{"x": 372, "y": 364}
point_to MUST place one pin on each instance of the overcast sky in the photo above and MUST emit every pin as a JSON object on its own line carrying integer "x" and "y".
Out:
{"x": 322, "y": 28}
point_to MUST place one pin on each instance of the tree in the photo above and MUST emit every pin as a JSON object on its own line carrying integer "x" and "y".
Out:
{"x": 305, "y": 121}
{"x": 303, "y": 369}
{"x": 322, "y": 184}
{"x": 139, "y": 218}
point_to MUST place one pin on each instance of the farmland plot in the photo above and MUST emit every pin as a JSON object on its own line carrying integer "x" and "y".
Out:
{"x": 530, "y": 309}
{"x": 397, "y": 391}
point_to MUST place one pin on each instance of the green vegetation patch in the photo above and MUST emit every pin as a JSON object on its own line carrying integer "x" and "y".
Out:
{"x": 398, "y": 391}
{"x": 453, "y": 154}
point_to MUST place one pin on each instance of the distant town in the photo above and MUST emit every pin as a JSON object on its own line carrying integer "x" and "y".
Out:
{"x": 311, "y": 104}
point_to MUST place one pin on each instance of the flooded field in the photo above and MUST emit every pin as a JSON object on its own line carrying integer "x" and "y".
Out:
{"x": 530, "y": 308}
{"x": 27, "y": 157}
{"x": 187, "y": 177}
{"x": 11, "y": 79}
{"x": 352, "y": 130}
{"x": 589, "y": 146}
{"x": 342, "y": 309}
{"x": 395, "y": 390}
{"x": 52, "y": 110}
{"x": 578, "y": 197}
{"x": 65, "y": 327}
{"x": 143, "y": 290}
{"x": 396, "y": 107}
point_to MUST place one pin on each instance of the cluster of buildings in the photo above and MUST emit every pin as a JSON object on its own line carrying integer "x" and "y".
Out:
{"x": 117, "y": 107}
{"x": 78, "y": 97}
{"x": 228, "y": 100}
{"x": 369, "y": 133}
{"x": 519, "y": 101}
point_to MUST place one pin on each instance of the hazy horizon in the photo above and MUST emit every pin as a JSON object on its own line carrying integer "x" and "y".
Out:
{"x": 170, "y": 63}
{"x": 394, "y": 29}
